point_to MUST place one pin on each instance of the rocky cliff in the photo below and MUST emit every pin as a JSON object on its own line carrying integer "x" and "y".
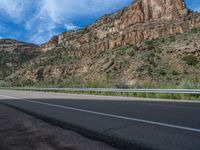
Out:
{"x": 13, "y": 46}
{"x": 142, "y": 20}
{"x": 114, "y": 47}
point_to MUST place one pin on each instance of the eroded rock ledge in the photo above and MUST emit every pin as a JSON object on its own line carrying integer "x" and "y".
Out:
{"x": 142, "y": 20}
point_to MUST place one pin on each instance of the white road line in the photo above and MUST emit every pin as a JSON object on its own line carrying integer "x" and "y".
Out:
{"x": 108, "y": 115}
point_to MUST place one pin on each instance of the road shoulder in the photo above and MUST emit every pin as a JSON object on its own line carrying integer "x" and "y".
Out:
{"x": 26, "y": 132}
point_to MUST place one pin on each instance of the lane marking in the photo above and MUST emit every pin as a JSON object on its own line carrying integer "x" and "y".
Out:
{"x": 108, "y": 115}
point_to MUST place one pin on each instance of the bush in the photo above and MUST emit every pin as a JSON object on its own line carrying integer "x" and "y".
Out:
{"x": 121, "y": 85}
{"x": 191, "y": 60}
{"x": 190, "y": 83}
{"x": 148, "y": 56}
{"x": 128, "y": 49}
{"x": 152, "y": 62}
{"x": 150, "y": 44}
{"x": 131, "y": 52}
{"x": 171, "y": 39}
{"x": 195, "y": 30}
{"x": 162, "y": 71}
{"x": 3, "y": 84}
{"x": 174, "y": 72}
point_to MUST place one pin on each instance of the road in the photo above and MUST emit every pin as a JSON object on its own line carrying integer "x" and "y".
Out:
{"x": 128, "y": 123}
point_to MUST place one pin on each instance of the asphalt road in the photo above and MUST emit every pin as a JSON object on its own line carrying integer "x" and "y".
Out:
{"x": 128, "y": 123}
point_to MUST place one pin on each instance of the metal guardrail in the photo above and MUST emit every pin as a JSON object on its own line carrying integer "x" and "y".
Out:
{"x": 163, "y": 91}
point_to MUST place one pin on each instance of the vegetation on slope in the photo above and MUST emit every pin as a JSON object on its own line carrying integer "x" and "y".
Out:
{"x": 9, "y": 62}
{"x": 167, "y": 62}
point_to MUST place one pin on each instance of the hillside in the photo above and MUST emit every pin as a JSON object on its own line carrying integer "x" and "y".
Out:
{"x": 168, "y": 61}
{"x": 149, "y": 43}
{"x": 14, "y": 54}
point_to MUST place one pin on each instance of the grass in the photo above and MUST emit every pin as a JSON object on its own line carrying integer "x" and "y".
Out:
{"x": 77, "y": 81}
{"x": 71, "y": 82}
{"x": 4, "y": 84}
{"x": 151, "y": 44}
{"x": 140, "y": 95}
{"x": 190, "y": 83}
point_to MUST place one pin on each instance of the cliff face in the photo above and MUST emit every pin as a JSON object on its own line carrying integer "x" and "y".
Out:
{"x": 13, "y": 46}
{"x": 142, "y": 20}
{"x": 114, "y": 48}
{"x": 162, "y": 9}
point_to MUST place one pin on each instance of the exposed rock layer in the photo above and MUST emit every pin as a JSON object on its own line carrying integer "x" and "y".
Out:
{"x": 112, "y": 48}
{"x": 142, "y": 20}
{"x": 13, "y": 46}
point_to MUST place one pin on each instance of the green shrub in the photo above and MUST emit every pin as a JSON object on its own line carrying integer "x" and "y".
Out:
{"x": 126, "y": 49}
{"x": 174, "y": 72}
{"x": 162, "y": 71}
{"x": 132, "y": 49}
{"x": 152, "y": 62}
{"x": 195, "y": 30}
{"x": 148, "y": 56}
{"x": 121, "y": 85}
{"x": 131, "y": 52}
{"x": 171, "y": 38}
{"x": 150, "y": 44}
{"x": 190, "y": 83}
{"x": 191, "y": 60}
{"x": 3, "y": 83}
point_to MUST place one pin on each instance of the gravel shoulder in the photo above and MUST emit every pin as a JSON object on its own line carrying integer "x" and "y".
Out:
{"x": 19, "y": 131}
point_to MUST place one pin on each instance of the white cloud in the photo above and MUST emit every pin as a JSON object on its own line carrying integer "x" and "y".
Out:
{"x": 15, "y": 9}
{"x": 42, "y": 18}
{"x": 53, "y": 13}
{"x": 71, "y": 26}
{"x": 59, "y": 10}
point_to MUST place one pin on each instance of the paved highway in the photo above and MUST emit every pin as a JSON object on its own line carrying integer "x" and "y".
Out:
{"x": 128, "y": 123}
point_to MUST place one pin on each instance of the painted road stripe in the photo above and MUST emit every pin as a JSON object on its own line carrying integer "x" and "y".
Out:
{"x": 108, "y": 115}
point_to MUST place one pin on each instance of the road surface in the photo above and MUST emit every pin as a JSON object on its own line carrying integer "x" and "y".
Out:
{"x": 128, "y": 123}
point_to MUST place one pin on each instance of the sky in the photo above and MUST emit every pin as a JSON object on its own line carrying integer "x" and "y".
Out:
{"x": 36, "y": 21}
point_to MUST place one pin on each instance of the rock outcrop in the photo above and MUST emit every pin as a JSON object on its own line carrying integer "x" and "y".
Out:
{"x": 113, "y": 49}
{"x": 13, "y": 46}
{"x": 142, "y": 20}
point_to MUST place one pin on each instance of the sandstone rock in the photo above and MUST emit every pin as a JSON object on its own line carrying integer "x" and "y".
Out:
{"x": 142, "y": 20}
{"x": 108, "y": 65}
{"x": 13, "y": 46}
{"x": 95, "y": 45}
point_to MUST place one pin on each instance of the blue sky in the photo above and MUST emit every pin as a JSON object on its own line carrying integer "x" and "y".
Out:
{"x": 37, "y": 20}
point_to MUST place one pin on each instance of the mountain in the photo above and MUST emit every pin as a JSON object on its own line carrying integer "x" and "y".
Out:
{"x": 14, "y": 54}
{"x": 144, "y": 19}
{"x": 149, "y": 42}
